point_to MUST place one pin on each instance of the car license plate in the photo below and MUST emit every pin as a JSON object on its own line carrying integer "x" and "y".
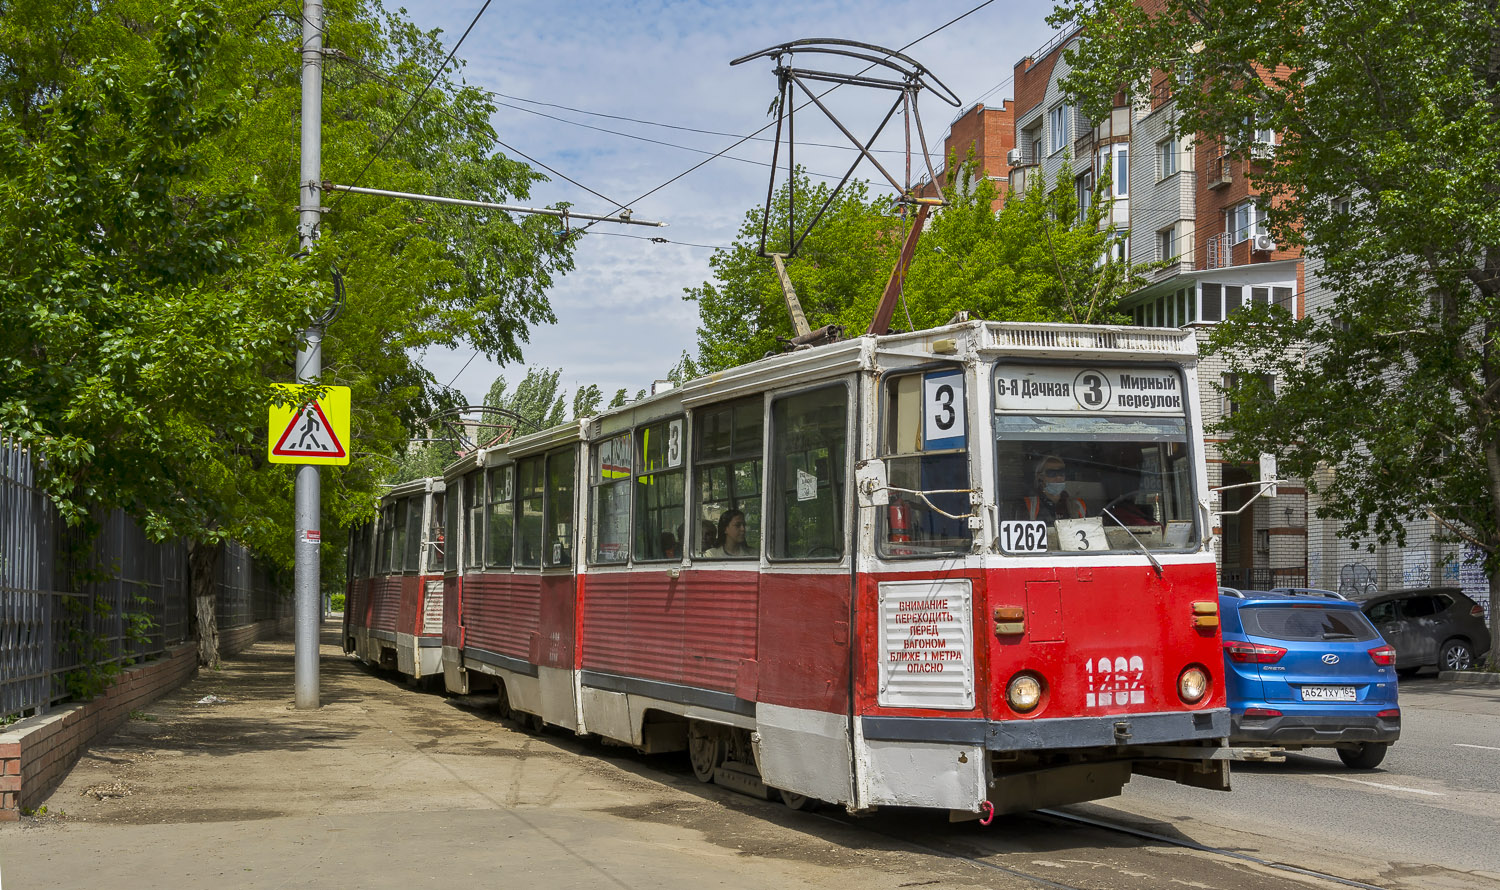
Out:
{"x": 1328, "y": 693}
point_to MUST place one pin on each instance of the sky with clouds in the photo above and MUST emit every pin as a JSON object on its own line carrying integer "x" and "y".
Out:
{"x": 664, "y": 64}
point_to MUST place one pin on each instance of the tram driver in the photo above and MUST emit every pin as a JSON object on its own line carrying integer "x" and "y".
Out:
{"x": 1049, "y": 499}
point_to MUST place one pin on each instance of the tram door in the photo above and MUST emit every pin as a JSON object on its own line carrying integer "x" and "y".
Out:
{"x": 804, "y": 705}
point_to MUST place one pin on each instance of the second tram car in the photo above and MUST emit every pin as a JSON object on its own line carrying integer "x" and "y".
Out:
{"x": 393, "y": 604}
{"x": 965, "y": 568}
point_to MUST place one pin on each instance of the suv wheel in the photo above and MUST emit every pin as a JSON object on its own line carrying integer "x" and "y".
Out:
{"x": 1364, "y": 756}
{"x": 1455, "y": 656}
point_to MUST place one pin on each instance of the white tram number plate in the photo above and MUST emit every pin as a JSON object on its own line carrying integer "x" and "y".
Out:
{"x": 1328, "y": 693}
{"x": 1023, "y": 537}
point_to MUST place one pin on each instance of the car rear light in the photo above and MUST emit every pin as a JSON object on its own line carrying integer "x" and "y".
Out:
{"x": 1262, "y": 712}
{"x": 1253, "y": 653}
{"x": 1024, "y": 692}
{"x": 1390, "y": 713}
{"x": 1383, "y": 655}
{"x": 1477, "y": 611}
{"x": 1192, "y": 685}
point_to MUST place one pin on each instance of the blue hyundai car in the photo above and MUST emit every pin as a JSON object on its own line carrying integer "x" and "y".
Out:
{"x": 1308, "y": 670}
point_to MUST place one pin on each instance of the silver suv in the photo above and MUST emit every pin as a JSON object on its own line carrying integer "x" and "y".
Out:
{"x": 1437, "y": 626}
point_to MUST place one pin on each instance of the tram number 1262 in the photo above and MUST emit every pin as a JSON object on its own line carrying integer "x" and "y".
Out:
{"x": 1023, "y": 537}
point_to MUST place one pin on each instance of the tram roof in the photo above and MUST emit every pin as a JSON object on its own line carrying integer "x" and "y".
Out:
{"x": 977, "y": 339}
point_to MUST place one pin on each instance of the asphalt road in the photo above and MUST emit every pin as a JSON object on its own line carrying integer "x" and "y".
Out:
{"x": 1430, "y": 812}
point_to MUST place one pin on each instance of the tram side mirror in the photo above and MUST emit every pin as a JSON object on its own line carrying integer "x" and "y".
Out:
{"x": 871, "y": 483}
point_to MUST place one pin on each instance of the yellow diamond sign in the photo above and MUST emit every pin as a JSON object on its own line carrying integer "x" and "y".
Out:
{"x": 313, "y": 433}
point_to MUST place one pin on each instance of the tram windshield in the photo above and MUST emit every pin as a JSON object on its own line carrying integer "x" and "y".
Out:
{"x": 1092, "y": 459}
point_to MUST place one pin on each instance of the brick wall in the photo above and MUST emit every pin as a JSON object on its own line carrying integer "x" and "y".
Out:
{"x": 36, "y": 753}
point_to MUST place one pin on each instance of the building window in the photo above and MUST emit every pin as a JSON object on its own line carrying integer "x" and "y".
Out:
{"x": 1282, "y": 296}
{"x": 1166, "y": 244}
{"x": 1057, "y": 126}
{"x": 1116, "y": 157}
{"x": 1083, "y": 188}
{"x": 1234, "y": 298}
{"x": 1232, "y": 381}
{"x": 1031, "y": 144}
{"x": 1245, "y": 221}
{"x": 1213, "y": 302}
{"x": 1166, "y": 158}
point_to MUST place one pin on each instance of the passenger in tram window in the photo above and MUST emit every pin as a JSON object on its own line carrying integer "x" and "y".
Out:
{"x": 732, "y": 535}
{"x": 1049, "y": 500}
{"x": 668, "y": 543}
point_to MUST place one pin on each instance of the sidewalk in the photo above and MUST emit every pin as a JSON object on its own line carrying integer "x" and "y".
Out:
{"x": 224, "y": 784}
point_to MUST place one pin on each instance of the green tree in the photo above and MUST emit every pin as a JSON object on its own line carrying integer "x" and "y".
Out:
{"x": 538, "y": 399}
{"x": 148, "y": 186}
{"x": 1387, "y": 162}
{"x": 1041, "y": 258}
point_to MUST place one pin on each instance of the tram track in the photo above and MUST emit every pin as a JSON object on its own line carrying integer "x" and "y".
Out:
{"x": 961, "y": 849}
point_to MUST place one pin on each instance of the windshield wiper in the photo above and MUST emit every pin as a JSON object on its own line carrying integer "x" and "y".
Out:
{"x": 1144, "y": 549}
{"x": 1340, "y": 636}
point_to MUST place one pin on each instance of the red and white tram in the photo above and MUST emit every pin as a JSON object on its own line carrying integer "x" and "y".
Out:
{"x": 393, "y": 607}
{"x": 850, "y": 573}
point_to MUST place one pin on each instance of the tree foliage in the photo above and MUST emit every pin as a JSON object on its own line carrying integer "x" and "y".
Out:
{"x": 1387, "y": 167}
{"x": 148, "y": 297}
{"x": 1040, "y": 258}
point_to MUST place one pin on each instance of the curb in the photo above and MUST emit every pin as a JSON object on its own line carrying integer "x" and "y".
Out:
{"x": 1471, "y": 678}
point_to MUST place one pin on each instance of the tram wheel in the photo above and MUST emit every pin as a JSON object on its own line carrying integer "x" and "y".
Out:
{"x": 798, "y": 801}
{"x": 534, "y": 723}
{"x": 705, "y": 750}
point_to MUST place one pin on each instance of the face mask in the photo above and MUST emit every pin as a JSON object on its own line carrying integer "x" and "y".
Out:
{"x": 1054, "y": 489}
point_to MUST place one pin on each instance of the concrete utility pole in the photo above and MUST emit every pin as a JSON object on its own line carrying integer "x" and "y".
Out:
{"x": 308, "y": 571}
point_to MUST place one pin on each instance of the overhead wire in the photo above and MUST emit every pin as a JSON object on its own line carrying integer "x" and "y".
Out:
{"x": 635, "y": 120}
{"x": 415, "y": 102}
{"x": 768, "y": 126}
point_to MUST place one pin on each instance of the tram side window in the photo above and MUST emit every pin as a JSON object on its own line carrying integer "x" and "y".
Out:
{"x": 432, "y": 558}
{"x": 809, "y": 432}
{"x": 450, "y": 519}
{"x": 609, "y": 479}
{"x": 659, "y": 491}
{"x": 926, "y": 446}
{"x": 413, "y": 555}
{"x": 561, "y": 470}
{"x": 501, "y": 518}
{"x": 727, "y": 466}
{"x": 359, "y": 544}
{"x": 387, "y": 539}
{"x": 398, "y": 537}
{"x": 529, "y": 512}
{"x": 474, "y": 519}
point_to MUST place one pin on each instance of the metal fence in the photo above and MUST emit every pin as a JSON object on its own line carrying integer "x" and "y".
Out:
{"x": 68, "y": 604}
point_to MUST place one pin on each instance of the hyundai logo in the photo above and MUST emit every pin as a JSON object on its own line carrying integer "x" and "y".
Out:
{"x": 1330, "y": 658}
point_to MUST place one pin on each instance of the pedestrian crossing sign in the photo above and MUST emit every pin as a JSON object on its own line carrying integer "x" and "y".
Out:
{"x": 313, "y": 433}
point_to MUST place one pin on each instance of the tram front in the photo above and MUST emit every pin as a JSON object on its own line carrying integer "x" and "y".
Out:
{"x": 1053, "y": 629}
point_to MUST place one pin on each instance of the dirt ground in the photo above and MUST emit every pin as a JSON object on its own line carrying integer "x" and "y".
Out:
{"x": 225, "y": 784}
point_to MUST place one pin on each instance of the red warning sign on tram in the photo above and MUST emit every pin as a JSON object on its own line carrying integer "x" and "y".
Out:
{"x": 311, "y": 433}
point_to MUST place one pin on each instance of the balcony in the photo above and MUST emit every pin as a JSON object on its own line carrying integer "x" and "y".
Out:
{"x": 1220, "y": 252}
{"x": 1219, "y": 172}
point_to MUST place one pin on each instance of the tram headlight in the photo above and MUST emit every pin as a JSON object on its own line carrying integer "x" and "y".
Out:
{"x": 1192, "y": 685}
{"x": 1024, "y": 692}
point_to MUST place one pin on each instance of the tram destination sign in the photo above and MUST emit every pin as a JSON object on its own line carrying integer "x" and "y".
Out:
{"x": 1070, "y": 389}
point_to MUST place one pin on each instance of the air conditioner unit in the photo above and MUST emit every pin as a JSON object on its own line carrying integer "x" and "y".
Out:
{"x": 1014, "y": 157}
{"x": 1264, "y": 242}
